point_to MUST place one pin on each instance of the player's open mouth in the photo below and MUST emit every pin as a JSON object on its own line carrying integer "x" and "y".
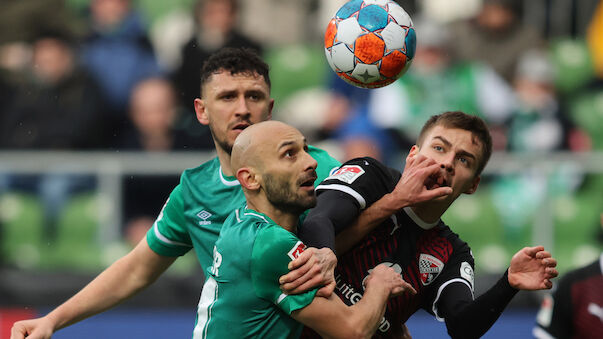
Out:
{"x": 308, "y": 183}
{"x": 435, "y": 182}
{"x": 240, "y": 126}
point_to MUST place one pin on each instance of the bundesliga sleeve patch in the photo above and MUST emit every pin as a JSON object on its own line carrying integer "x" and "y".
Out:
{"x": 347, "y": 173}
{"x": 296, "y": 250}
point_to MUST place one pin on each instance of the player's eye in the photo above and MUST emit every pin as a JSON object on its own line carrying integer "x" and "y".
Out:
{"x": 438, "y": 148}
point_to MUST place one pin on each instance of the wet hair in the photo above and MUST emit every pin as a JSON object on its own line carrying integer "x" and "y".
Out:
{"x": 235, "y": 61}
{"x": 460, "y": 120}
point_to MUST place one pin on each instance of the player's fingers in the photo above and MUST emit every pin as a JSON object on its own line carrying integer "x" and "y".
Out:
{"x": 294, "y": 274}
{"x": 531, "y": 251}
{"x": 543, "y": 254}
{"x": 326, "y": 290}
{"x": 302, "y": 259}
{"x": 302, "y": 287}
{"x": 435, "y": 193}
{"x": 551, "y": 272}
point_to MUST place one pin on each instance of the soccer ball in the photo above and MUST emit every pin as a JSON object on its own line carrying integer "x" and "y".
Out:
{"x": 370, "y": 43}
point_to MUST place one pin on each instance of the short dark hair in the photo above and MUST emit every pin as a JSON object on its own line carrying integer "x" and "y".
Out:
{"x": 235, "y": 61}
{"x": 461, "y": 120}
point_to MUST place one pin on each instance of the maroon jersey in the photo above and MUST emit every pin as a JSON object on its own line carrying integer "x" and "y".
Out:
{"x": 429, "y": 256}
{"x": 575, "y": 310}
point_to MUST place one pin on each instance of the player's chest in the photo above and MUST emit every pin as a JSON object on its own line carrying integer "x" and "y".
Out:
{"x": 419, "y": 256}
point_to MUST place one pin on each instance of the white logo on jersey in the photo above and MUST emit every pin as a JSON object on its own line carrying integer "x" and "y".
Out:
{"x": 429, "y": 268}
{"x": 545, "y": 314}
{"x": 347, "y": 173}
{"x": 596, "y": 310}
{"x": 204, "y": 215}
{"x": 467, "y": 273}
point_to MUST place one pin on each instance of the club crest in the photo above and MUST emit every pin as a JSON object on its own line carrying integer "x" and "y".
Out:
{"x": 429, "y": 268}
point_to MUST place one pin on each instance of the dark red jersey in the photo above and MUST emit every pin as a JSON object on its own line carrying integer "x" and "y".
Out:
{"x": 429, "y": 256}
{"x": 575, "y": 309}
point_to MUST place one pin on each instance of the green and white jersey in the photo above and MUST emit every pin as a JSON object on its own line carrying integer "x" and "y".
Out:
{"x": 198, "y": 206}
{"x": 241, "y": 297}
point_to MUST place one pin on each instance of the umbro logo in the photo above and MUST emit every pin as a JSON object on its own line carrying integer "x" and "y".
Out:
{"x": 204, "y": 215}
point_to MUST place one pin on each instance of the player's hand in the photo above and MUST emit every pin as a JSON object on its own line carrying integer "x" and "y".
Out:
{"x": 420, "y": 182}
{"x": 39, "y": 328}
{"x": 393, "y": 280}
{"x": 313, "y": 268}
{"x": 532, "y": 268}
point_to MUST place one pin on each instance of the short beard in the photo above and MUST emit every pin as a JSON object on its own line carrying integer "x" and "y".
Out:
{"x": 223, "y": 144}
{"x": 284, "y": 199}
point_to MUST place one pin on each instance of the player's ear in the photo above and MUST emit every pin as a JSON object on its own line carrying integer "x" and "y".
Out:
{"x": 270, "y": 107}
{"x": 474, "y": 185}
{"x": 201, "y": 111}
{"x": 413, "y": 151}
{"x": 248, "y": 179}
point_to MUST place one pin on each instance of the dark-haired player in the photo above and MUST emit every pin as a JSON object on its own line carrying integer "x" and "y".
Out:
{"x": 413, "y": 239}
{"x": 235, "y": 93}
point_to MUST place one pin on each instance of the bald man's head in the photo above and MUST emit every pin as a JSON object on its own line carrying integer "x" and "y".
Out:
{"x": 256, "y": 140}
{"x": 271, "y": 162}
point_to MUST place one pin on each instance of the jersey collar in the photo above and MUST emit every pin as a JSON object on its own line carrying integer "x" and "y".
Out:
{"x": 228, "y": 181}
{"x": 424, "y": 225}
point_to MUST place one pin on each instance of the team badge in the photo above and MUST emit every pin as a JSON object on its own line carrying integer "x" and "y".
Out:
{"x": 296, "y": 250}
{"x": 429, "y": 268}
{"x": 347, "y": 173}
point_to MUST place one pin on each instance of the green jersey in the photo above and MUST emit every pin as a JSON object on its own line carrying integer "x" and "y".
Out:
{"x": 198, "y": 206}
{"x": 241, "y": 297}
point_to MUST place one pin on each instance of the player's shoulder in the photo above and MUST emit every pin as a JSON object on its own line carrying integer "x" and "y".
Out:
{"x": 210, "y": 167}
{"x": 362, "y": 167}
{"x": 458, "y": 244}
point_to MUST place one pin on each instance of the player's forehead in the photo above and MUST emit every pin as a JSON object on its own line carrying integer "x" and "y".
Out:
{"x": 457, "y": 137}
{"x": 223, "y": 80}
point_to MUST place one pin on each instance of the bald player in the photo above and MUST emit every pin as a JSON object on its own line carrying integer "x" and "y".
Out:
{"x": 241, "y": 296}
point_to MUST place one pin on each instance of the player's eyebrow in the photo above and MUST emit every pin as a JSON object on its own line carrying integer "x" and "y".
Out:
{"x": 448, "y": 144}
{"x": 444, "y": 140}
{"x": 290, "y": 142}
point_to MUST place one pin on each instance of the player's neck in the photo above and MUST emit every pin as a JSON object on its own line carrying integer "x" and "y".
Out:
{"x": 224, "y": 158}
{"x": 428, "y": 212}
{"x": 286, "y": 220}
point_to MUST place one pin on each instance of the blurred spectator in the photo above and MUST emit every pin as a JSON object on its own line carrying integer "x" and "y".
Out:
{"x": 118, "y": 54}
{"x": 215, "y": 28}
{"x": 57, "y": 106}
{"x": 538, "y": 124}
{"x": 496, "y": 36}
{"x": 153, "y": 109}
{"x": 575, "y": 309}
{"x": 153, "y": 112}
{"x": 437, "y": 82}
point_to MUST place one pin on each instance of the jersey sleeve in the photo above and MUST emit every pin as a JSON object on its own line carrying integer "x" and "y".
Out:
{"x": 366, "y": 180}
{"x": 273, "y": 249}
{"x": 168, "y": 236}
{"x": 459, "y": 271}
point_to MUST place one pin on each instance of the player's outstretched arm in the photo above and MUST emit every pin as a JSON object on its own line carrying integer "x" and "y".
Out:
{"x": 411, "y": 189}
{"x": 313, "y": 268}
{"x": 124, "y": 278}
{"x": 532, "y": 268}
{"x": 331, "y": 318}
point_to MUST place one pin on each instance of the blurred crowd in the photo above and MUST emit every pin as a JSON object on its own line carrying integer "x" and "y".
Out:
{"x": 122, "y": 75}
